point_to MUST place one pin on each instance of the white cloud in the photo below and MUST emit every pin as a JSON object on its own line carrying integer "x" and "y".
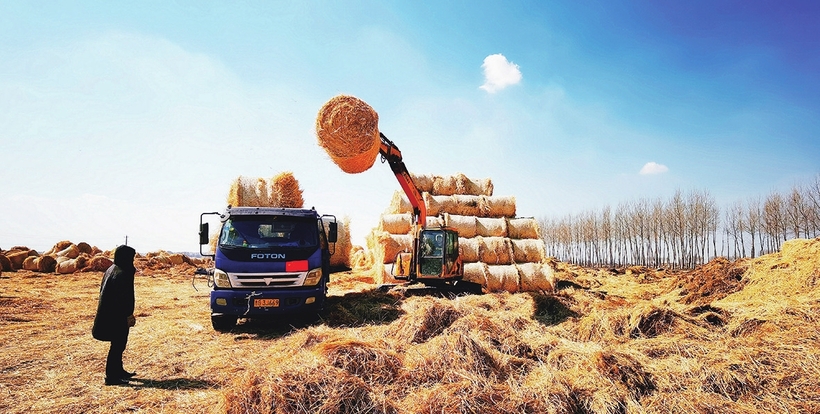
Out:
{"x": 653, "y": 168}
{"x": 499, "y": 73}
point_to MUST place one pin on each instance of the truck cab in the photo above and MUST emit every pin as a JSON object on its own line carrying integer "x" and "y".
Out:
{"x": 268, "y": 262}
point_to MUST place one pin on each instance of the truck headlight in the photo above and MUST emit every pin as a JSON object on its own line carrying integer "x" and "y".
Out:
{"x": 313, "y": 277}
{"x": 221, "y": 279}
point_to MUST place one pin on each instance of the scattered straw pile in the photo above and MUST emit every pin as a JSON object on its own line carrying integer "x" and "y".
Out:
{"x": 348, "y": 129}
{"x": 500, "y": 251}
{"x": 280, "y": 191}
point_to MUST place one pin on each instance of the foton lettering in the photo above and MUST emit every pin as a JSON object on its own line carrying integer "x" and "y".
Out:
{"x": 267, "y": 255}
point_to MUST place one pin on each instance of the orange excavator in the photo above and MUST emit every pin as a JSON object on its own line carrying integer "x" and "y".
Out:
{"x": 434, "y": 259}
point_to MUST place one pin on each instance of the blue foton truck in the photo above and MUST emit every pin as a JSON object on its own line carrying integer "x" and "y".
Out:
{"x": 268, "y": 261}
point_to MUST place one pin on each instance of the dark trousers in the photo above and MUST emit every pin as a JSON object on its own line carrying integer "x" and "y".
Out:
{"x": 113, "y": 364}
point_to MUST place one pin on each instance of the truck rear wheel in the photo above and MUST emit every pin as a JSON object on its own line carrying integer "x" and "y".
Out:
{"x": 223, "y": 323}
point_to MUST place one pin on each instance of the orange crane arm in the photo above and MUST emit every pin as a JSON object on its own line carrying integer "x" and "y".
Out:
{"x": 390, "y": 152}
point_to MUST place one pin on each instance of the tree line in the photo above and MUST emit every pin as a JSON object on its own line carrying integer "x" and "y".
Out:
{"x": 684, "y": 230}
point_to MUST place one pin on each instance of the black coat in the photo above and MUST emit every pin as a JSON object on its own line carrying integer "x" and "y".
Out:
{"x": 116, "y": 302}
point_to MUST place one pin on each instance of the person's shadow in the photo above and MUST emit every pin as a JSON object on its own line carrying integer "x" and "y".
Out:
{"x": 171, "y": 383}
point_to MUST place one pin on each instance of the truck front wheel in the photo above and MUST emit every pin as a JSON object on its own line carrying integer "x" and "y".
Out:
{"x": 223, "y": 323}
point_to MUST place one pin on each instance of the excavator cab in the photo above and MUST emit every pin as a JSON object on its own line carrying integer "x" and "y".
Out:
{"x": 437, "y": 259}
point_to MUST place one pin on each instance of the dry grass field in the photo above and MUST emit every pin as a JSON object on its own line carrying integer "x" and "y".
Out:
{"x": 739, "y": 337}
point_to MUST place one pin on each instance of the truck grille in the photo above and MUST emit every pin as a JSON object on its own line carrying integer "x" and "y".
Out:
{"x": 254, "y": 280}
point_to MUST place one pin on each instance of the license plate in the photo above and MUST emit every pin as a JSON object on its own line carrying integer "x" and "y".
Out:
{"x": 265, "y": 303}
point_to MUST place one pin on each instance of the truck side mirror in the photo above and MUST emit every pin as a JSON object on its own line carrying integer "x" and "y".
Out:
{"x": 203, "y": 234}
{"x": 332, "y": 232}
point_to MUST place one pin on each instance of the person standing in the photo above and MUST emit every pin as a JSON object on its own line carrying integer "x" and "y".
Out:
{"x": 115, "y": 313}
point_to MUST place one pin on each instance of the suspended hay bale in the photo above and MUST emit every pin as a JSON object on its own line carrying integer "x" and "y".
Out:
{"x": 536, "y": 277}
{"x": 348, "y": 129}
{"x": 465, "y": 225}
{"x": 529, "y": 250}
{"x": 285, "y": 191}
{"x": 476, "y": 273}
{"x": 243, "y": 193}
{"x": 46, "y": 264}
{"x": 491, "y": 227}
{"x": 424, "y": 183}
{"x": 460, "y": 184}
{"x": 341, "y": 256}
{"x": 468, "y": 249}
{"x": 495, "y": 251}
{"x": 523, "y": 228}
{"x": 30, "y": 263}
{"x": 503, "y": 278}
{"x": 396, "y": 223}
{"x": 98, "y": 264}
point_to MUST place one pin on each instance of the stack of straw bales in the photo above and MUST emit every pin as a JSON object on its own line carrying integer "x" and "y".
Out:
{"x": 348, "y": 129}
{"x": 283, "y": 190}
{"x": 500, "y": 251}
{"x": 280, "y": 191}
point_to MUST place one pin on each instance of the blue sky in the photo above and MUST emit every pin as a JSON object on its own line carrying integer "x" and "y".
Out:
{"x": 131, "y": 118}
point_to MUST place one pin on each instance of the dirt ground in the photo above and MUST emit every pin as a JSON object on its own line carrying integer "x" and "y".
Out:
{"x": 628, "y": 340}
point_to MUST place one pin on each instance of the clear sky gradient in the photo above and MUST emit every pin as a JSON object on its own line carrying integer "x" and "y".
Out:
{"x": 132, "y": 118}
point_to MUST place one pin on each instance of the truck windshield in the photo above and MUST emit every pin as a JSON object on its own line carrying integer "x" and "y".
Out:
{"x": 265, "y": 232}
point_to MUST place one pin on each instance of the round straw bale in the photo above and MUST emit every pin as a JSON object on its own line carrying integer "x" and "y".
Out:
{"x": 465, "y": 225}
{"x": 262, "y": 191}
{"x": 495, "y": 251}
{"x": 396, "y": 223}
{"x": 491, "y": 227}
{"x": 468, "y": 249}
{"x": 536, "y": 277}
{"x": 341, "y": 256}
{"x": 285, "y": 191}
{"x": 399, "y": 204}
{"x": 462, "y": 185}
{"x": 66, "y": 266}
{"x": 348, "y": 129}
{"x": 71, "y": 252}
{"x": 59, "y": 246}
{"x": 424, "y": 182}
{"x": 529, "y": 250}
{"x": 361, "y": 259}
{"x": 84, "y": 247}
{"x": 434, "y": 204}
{"x": 46, "y": 264}
{"x": 176, "y": 259}
{"x": 523, "y": 228}
{"x": 435, "y": 221}
{"x": 497, "y": 206}
{"x": 98, "y": 264}
{"x": 464, "y": 205}
{"x": 503, "y": 278}
{"x": 475, "y": 273}
{"x": 17, "y": 257}
{"x": 243, "y": 193}
{"x": 397, "y": 243}
{"x": 30, "y": 263}
{"x": 5, "y": 263}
